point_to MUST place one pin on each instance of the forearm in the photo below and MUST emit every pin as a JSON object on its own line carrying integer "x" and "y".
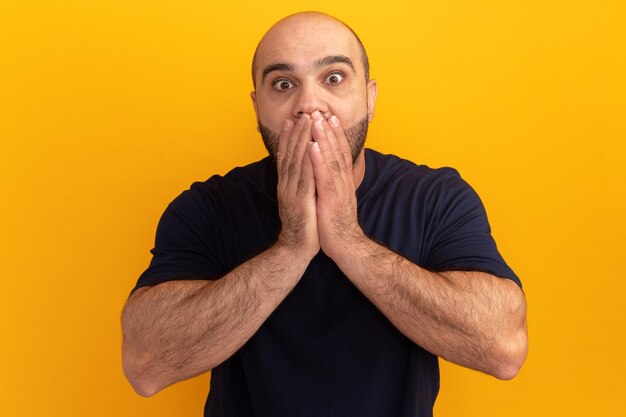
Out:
{"x": 179, "y": 329}
{"x": 470, "y": 318}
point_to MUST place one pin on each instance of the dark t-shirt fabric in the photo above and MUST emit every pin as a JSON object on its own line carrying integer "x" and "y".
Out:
{"x": 326, "y": 350}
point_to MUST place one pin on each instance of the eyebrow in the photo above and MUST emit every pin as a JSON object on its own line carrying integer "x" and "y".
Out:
{"x": 324, "y": 62}
{"x": 275, "y": 67}
{"x": 335, "y": 59}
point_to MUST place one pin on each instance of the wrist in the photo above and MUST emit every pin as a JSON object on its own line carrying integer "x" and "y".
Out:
{"x": 293, "y": 253}
{"x": 347, "y": 247}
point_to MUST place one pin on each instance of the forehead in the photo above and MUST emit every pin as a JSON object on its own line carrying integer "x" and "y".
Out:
{"x": 305, "y": 39}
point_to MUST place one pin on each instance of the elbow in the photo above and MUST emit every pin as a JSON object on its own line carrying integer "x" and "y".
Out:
{"x": 138, "y": 374}
{"x": 144, "y": 390}
{"x": 512, "y": 356}
{"x": 508, "y": 370}
{"x": 512, "y": 348}
{"x": 143, "y": 387}
{"x": 137, "y": 362}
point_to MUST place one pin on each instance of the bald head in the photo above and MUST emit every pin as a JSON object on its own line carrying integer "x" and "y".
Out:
{"x": 304, "y": 24}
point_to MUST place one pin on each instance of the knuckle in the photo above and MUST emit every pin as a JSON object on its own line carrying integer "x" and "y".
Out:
{"x": 302, "y": 188}
{"x": 292, "y": 168}
{"x": 284, "y": 166}
{"x": 330, "y": 185}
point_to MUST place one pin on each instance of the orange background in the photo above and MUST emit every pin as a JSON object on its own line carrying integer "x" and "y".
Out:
{"x": 108, "y": 110}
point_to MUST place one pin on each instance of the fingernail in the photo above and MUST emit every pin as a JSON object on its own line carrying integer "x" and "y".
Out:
{"x": 334, "y": 122}
{"x": 287, "y": 125}
{"x": 316, "y": 147}
{"x": 317, "y": 115}
{"x": 319, "y": 124}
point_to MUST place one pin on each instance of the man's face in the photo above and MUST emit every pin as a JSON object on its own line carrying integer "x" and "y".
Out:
{"x": 311, "y": 62}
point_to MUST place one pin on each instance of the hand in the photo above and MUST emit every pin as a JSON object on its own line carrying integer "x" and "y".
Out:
{"x": 331, "y": 157}
{"x": 296, "y": 189}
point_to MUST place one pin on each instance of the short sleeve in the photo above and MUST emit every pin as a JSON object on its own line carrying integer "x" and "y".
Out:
{"x": 188, "y": 243}
{"x": 463, "y": 236}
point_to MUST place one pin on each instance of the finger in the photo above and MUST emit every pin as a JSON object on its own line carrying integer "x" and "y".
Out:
{"x": 284, "y": 137}
{"x": 326, "y": 174}
{"x": 281, "y": 153}
{"x": 323, "y": 124}
{"x": 306, "y": 184}
{"x": 290, "y": 141}
{"x": 327, "y": 143}
{"x": 301, "y": 126}
{"x": 300, "y": 145}
{"x": 342, "y": 140}
{"x": 319, "y": 164}
{"x": 299, "y": 152}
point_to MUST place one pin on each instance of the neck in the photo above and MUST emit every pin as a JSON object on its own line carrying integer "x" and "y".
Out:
{"x": 358, "y": 169}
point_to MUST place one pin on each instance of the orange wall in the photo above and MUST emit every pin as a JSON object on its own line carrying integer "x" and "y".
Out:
{"x": 110, "y": 109}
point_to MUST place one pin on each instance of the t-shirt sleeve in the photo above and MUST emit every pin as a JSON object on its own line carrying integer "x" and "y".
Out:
{"x": 463, "y": 236}
{"x": 188, "y": 243}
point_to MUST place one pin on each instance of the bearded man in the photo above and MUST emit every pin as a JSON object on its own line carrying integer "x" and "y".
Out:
{"x": 325, "y": 279}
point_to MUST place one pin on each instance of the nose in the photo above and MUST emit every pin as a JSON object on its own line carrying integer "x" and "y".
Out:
{"x": 310, "y": 97}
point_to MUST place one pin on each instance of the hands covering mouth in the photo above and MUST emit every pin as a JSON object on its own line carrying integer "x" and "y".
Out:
{"x": 316, "y": 189}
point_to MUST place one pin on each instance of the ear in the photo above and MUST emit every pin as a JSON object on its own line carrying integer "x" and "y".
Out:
{"x": 372, "y": 93}
{"x": 256, "y": 109}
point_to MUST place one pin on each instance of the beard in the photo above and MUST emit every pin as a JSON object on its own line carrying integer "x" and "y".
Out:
{"x": 355, "y": 135}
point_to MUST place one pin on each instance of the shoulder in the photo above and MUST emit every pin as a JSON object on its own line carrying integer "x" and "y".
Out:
{"x": 391, "y": 172}
{"x": 254, "y": 180}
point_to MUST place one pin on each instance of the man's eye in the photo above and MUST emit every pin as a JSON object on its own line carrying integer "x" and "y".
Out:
{"x": 334, "y": 78}
{"x": 283, "y": 85}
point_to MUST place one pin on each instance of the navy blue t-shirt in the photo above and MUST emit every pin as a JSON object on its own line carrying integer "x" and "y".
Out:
{"x": 326, "y": 350}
